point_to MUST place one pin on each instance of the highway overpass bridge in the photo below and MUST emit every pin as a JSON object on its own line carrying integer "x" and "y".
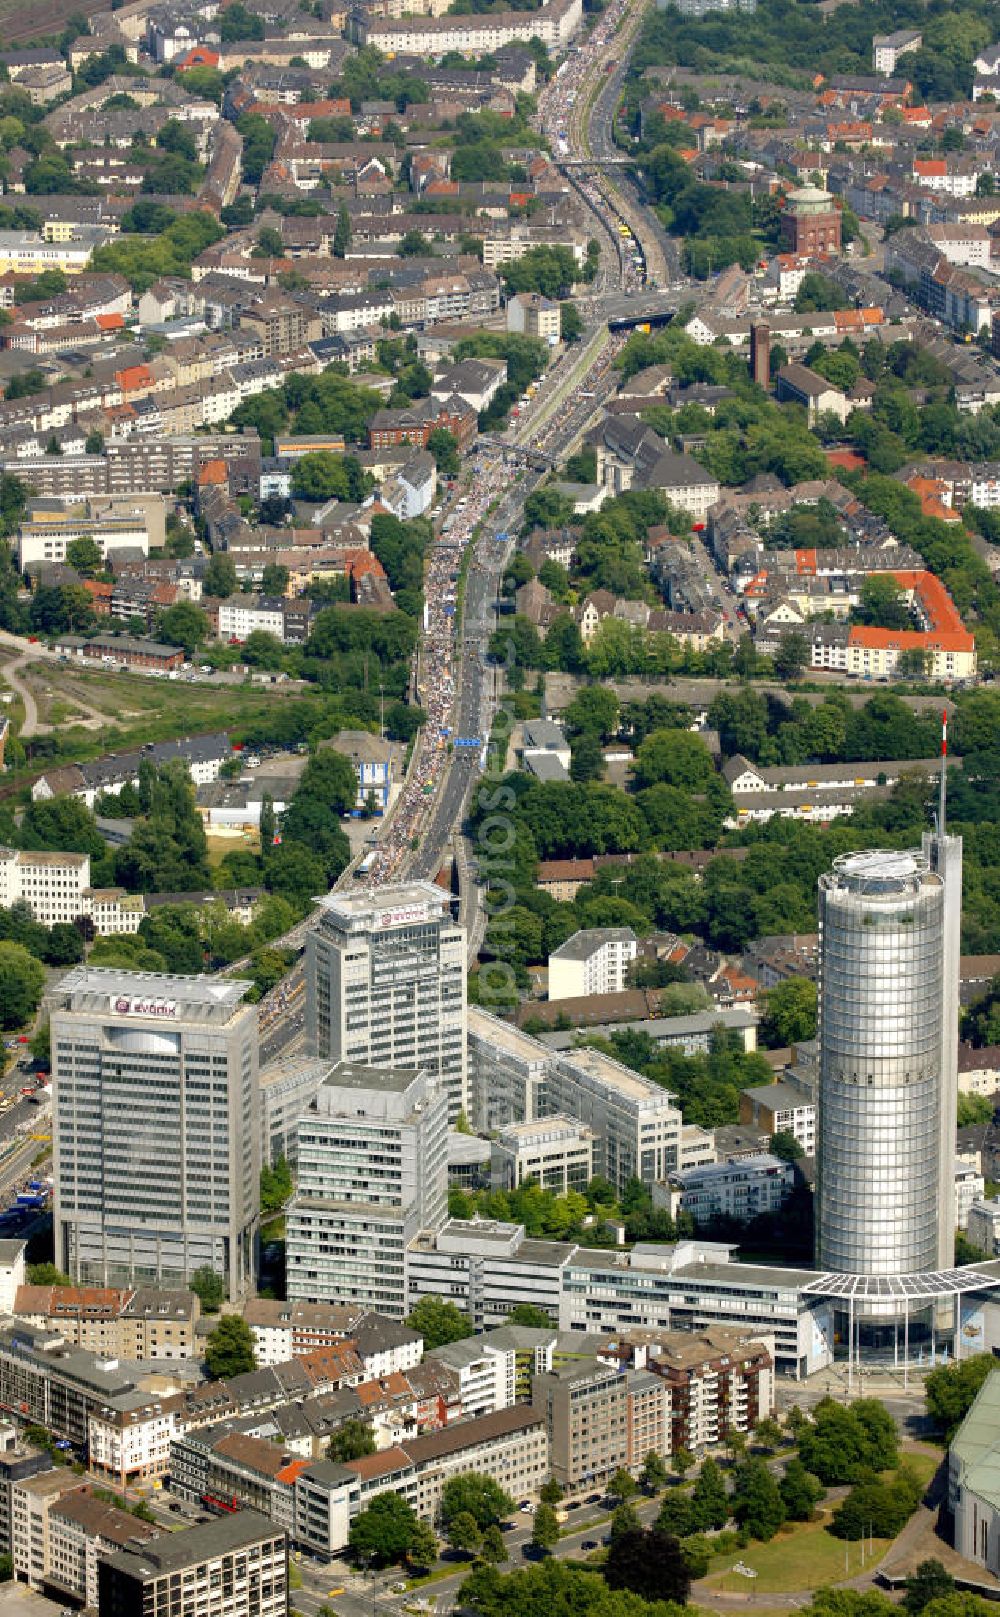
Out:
{"x": 642, "y": 309}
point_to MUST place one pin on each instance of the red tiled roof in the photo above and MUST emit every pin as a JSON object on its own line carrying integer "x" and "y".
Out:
{"x": 198, "y": 56}
{"x": 377, "y": 1465}
{"x": 133, "y": 377}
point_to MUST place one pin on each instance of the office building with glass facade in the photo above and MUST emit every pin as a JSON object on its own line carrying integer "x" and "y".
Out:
{"x": 155, "y": 1132}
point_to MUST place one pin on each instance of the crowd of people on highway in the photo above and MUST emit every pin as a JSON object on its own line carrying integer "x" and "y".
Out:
{"x": 464, "y": 510}
{"x": 556, "y": 105}
{"x": 491, "y": 478}
{"x": 466, "y": 505}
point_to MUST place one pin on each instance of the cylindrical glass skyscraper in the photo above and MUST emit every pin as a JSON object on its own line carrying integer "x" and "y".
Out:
{"x": 882, "y": 1083}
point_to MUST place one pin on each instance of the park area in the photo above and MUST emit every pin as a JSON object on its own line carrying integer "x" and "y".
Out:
{"x": 804, "y": 1556}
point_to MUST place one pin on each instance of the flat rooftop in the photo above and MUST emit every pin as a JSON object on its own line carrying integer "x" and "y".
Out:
{"x": 583, "y": 944}
{"x": 610, "y": 1072}
{"x": 149, "y": 996}
{"x": 505, "y": 1036}
{"x": 411, "y": 903}
{"x": 352, "y": 1075}
{"x": 293, "y": 1069}
{"x": 172, "y": 1552}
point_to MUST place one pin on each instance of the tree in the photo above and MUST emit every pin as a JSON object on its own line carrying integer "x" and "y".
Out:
{"x": 230, "y": 1350}
{"x": 183, "y": 624}
{"x": 844, "y": 1443}
{"x": 654, "y": 1472}
{"x": 676, "y": 758}
{"x": 587, "y": 760}
{"x": 550, "y": 1492}
{"x": 493, "y": 1547}
{"x": 767, "y": 1434}
{"x": 321, "y": 475}
{"x": 444, "y": 447}
{"x": 882, "y": 603}
{"x": 951, "y": 1390}
{"x": 475, "y": 1495}
{"x": 439, "y": 1322}
{"x": 22, "y": 982}
{"x": 383, "y": 1533}
{"x": 94, "y": 444}
{"x": 570, "y": 322}
{"x": 786, "y": 1148}
{"x": 876, "y": 1506}
{"x": 792, "y": 656}
{"x": 238, "y": 23}
{"x": 681, "y": 1461}
{"x": 351, "y": 1441}
{"x": 789, "y": 1013}
{"x": 209, "y": 1289}
{"x": 931, "y": 1581}
{"x": 84, "y": 554}
{"x": 342, "y": 232}
{"x": 220, "y": 576}
{"x": 46, "y": 1274}
{"x": 623, "y": 1485}
{"x": 650, "y": 1564}
{"x": 274, "y": 579}
{"x": 676, "y": 1514}
{"x": 624, "y": 1519}
{"x": 423, "y": 1550}
{"x": 545, "y": 1529}
{"x": 275, "y": 1184}
{"x": 531, "y": 1315}
{"x": 800, "y": 1491}
{"x": 757, "y": 1502}
{"x": 709, "y": 1499}
{"x": 463, "y": 1533}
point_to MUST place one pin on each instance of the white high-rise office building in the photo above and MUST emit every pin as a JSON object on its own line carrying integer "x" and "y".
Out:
{"x": 156, "y": 1154}
{"x": 373, "y": 1173}
{"x": 385, "y": 984}
{"x": 888, "y": 1092}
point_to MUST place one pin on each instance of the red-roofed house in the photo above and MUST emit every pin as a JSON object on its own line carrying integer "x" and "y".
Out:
{"x": 100, "y": 596}
{"x": 135, "y": 380}
{"x": 213, "y": 474}
{"x": 931, "y": 171}
{"x": 198, "y": 56}
{"x": 935, "y": 498}
{"x": 948, "y": 647}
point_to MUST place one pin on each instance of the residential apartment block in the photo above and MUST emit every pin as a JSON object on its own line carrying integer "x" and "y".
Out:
{"x": 592, "y": 962}
{"x": 130, "y": 1324}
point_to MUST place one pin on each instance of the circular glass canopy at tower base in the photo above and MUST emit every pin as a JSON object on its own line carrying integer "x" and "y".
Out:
{"x": 909, "y": 1320}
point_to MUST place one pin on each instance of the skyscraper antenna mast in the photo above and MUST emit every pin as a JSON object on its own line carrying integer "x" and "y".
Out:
{"x": 943, "y": 790}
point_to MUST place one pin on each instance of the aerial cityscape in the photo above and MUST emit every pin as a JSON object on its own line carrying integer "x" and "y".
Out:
{"x": 499, "y": 808}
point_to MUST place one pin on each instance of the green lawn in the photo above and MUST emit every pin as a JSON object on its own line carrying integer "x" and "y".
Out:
{"x": 804, "y": 1555}
{"x": 924, "y": 1461}
{"x": 136, "y": 710}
